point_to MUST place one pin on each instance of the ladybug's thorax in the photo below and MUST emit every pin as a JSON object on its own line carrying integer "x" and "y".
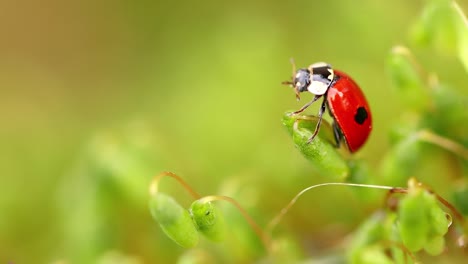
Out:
{"x": 322, "y": 76}
{"x": 316, "y": 79}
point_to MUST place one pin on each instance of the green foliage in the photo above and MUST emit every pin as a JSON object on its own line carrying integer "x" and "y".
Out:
{"x": 208, "y": 219}
{"x": 320, "y": 152}
{"x": 415, "y": 221}
{"x": 444, "y": 26}
{"x": 407, "y": 80}
{"x": 432, "y": 106}
{"x": 418, "y": 223}
{"x": 178, "y": 77}
{"x": 402, "y": 160}
{"x": 174, "y": 220}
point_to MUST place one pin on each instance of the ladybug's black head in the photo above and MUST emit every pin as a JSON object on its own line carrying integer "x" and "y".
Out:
{"x": 300, "y": 81}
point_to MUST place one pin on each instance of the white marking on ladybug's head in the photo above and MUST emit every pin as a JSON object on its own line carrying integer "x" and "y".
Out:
{"x": 332, "y": 74}
{"x": 319, "y": 65}
{"x": 317, "y": 88}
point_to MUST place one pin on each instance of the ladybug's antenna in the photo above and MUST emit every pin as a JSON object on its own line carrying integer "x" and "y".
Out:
{"x": 292, "y": 79}
{"x": 298, "y": 97}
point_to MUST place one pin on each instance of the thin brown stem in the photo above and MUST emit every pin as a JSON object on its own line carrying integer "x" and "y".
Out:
{"x": 275, "y": 221}
{"x": 153, "y": 189}
{"x": 389, "y": 243}
{"x": 447, "y": 204}
{"x": 264, "y": 237}
{"x": 443, "y": 142}
{"x": 387, "y": 201}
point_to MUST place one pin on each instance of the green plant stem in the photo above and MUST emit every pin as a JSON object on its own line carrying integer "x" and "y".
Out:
{"x": 264, "y": 237}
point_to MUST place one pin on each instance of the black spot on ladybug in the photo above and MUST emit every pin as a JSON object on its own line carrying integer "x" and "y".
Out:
{"x": 361, "y": 115}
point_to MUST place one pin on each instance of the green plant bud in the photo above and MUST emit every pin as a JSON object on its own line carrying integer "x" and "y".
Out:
{"x": 448, "y": 113}
{"x": 208, "y": 219}
{"x": 321, "y": 152}
{"x": 437, "y": 27}
{"x": 414, "y": 225}
{"x": 460, "y": 199}
{"x": 435, "y": 245}
{"x": 401, "y": 161}
{"x": 439, "y": 220}
{"x": 443, "y": 25}
{"x": 407, "y": 80}
{"x": 174, "y": 220}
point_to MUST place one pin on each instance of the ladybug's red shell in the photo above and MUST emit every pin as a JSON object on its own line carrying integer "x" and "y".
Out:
{"x": 350, "y": 109}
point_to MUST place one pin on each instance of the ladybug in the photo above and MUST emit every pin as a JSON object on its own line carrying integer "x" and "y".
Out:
{"x": 346, "y": 103}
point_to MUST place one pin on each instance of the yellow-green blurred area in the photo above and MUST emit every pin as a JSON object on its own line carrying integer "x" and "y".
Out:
{"x": 94, "y": 89}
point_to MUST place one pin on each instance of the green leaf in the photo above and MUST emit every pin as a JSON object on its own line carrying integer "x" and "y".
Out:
{"x": 320, "y": 152}
{"x": 435, "y": 245}
{"x": 448, "y": 113}
{"x": 401, "y": 161}
{"x": 444, "y": 26}
{"x": 407, "y": 80}
{"x": 208, "y": 219}
{"x": 174, "y": 220}
{"x": 439, "y": 221}
{"x": 436, "y": 27}
{"x": 414, "y": 225}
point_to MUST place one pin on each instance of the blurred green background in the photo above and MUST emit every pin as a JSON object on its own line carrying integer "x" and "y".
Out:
{"x": 189, "y": 87}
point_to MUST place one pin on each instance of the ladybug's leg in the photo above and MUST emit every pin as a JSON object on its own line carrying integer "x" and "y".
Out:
{"x": 307, "y": 105}
{"x": 337, "y": 133}
{"x": 320, "y": 116}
